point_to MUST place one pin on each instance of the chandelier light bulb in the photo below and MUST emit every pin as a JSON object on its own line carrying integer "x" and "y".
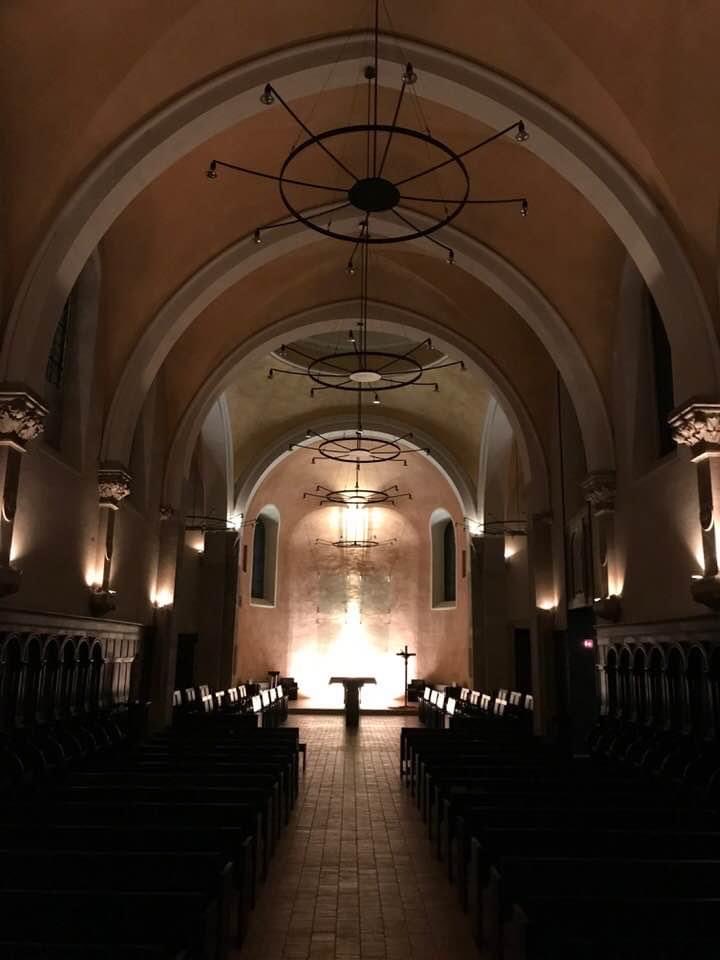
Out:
{"x": 450, "y": 258}
{"x": 522, "y": 136}
{"x": 409, "y": 76}
{"x": 212, "y": 171}
{"x": 351, "y": 336}
{"x": 376, "y": 400}
{"x": 267, "y": 97}
{"x": 524, "y": 208}
{"x": 350, "y": 269}
{"x": 257, "y": 239}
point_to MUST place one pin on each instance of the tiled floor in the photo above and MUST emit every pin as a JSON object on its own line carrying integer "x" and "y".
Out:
{"x": 354, "y": 877}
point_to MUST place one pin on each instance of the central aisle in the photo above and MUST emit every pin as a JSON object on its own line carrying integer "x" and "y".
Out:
{"x": 354, "y": 876}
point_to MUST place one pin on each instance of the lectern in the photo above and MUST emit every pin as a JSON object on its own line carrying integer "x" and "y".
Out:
{"x": 352, "y": 696}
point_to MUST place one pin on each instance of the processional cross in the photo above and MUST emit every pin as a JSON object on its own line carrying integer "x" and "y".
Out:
{"x": 405, "y": 654}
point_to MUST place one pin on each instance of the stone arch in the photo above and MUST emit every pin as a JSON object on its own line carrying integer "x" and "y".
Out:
{"x": 480, "y": 261}
{"x": 384, "y": 427}
{"x": 225, "y": 100}
{"x": 316, "y": 321}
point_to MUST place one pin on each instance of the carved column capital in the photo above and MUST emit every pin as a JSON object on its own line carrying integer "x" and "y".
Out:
{"x": 22, "y": 415}
{"x": 113, "y": 485}
{"x": 697, "y": 425}
{"x": 599, "y": 491}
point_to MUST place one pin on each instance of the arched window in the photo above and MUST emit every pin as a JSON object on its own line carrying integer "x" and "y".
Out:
{"x": 444, "y": 563}
{"x": 258, "y": 567}
{"x": 662, "y": 377}
{"x": 448, "y": 562}
{"x": 264, "y": 557}
{"x": 55, "y": 376}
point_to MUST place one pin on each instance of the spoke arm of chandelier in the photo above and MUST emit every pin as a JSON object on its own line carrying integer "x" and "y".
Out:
{"x": 212, "y": 175}
{"x": 443, "y": 246}
{"x": 312, "y": 136}
{"x": 488, "y": 202}
{"x": 310, "y": 216}
{"x": 442, "y": 366}
{"x": 300, "y": 373}
{"x": 314, "y": 390}
{"x": 518, "y": 125}
{"x": 306, "y": 356}
{"x": 405, "y": 356}
{"x": 418, "y": 383}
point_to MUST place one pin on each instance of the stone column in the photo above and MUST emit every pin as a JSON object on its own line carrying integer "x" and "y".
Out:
{"x": 492, "y": 640}
{"x": 599, "y": 491}
{"x": 217, "y": 600}
{"x": 113, "y": 487}
{"x": 543, "y": 610}
{"x": 697, "y": 426}
{"x": 22, "y": 415}
{"x": 162, "y": 682}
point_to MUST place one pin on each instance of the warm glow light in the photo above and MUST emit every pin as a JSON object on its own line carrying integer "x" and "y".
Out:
{"x": 512, "y": 547}
{"x": 355, "y": 650}
{"x": 474, "y": 528}
{"x": 161, "y": 598}
{"x": 93, "y": 577}
{"x": 236, "y": 521}
{"x": 195, "y": 539}
{"x": 550, "y": 603}
{"x": 354, "y": 522}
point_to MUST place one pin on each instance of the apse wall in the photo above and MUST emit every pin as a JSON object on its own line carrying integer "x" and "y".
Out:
{"x": 350, "y": 611}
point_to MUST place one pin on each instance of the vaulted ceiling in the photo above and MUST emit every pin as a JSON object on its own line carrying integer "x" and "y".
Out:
{"x": 79, "y": 78}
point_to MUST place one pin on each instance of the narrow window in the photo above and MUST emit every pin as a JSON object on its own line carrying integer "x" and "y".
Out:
{"x": 443, "y": 559}
{"x": 55, "y": 376}
{"x": 663, "y": 378}
{"x": 258, "y": 565}
{"x": 448, "y": 562}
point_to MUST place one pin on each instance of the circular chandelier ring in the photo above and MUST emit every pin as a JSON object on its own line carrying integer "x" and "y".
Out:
{"x": 357, "y": 497}
{"x": 412, "y": 373}
{"x": 393, "y": 131}
{"x": 381, "y": 452}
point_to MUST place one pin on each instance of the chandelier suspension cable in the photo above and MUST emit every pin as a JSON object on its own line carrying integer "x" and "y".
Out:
{"x": 364, "y": 368}
{"x": 358, "y": 446}
{"x": 357, "y": 496}
{"x": 374, "y": 192}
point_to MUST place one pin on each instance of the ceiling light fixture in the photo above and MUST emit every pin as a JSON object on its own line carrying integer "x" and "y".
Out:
{"x": 357, "y": 496}
{"x": 360, "y": 446}
{"x": 364, "y": 368}
{"x": 367, "y": 186}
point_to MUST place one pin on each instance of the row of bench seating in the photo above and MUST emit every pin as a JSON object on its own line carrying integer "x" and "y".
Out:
{"x": 147, "y": 851}
{"x": 270, "y": 705}
{"x": 460, "y": 708}
{"x": 559, "y": 857}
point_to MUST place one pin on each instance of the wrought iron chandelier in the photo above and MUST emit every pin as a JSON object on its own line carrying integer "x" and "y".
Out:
{"x": 367, "y": 544}
{"x": 364, "y": 368}
{"x": 357, "y": 496}
{"x": 359, "y": 446}
{"x": 366, "y": 186}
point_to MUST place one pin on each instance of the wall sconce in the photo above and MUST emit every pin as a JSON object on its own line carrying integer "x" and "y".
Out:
{"x": 608, "y": 608}
{"x": 547, "y": 605}
{"x": 162, "y": 599}
{"x": 588, "y": 644}
{"x": 706, "y": 590}
{"x": 101, "y": 601}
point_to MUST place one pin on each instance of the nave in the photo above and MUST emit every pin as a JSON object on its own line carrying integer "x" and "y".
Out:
{"x": 353, "y": 877}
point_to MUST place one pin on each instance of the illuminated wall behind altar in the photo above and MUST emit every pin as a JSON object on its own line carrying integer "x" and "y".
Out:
{"x": 348, "y": 611}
